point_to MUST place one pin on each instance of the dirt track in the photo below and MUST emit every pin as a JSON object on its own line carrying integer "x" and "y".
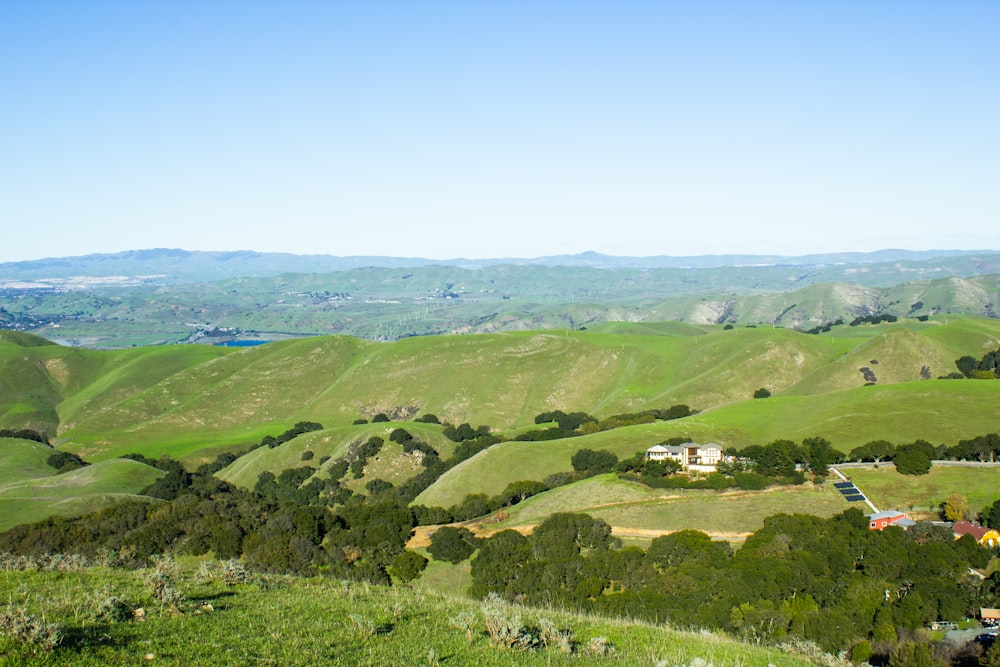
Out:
{"x": 422, "y": 534}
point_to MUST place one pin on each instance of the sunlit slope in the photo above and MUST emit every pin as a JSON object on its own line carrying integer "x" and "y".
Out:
{"x": 181, "y": 400}
{"x": 77, "y": 492}
{"x": 493, "y": 469}
{"x": 21, "y": 460}
{"x": 636, "y": 510}
{"x": 232, "y": 399}
{"x": 941, "y": 411}
{"x": 122, "y": 374}
{"x": 47, "y": 387}
{"x": 390, "y": 465}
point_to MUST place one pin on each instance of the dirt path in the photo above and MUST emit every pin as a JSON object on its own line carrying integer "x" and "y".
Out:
{"x": 422, "y": 534}
{"x": 480, "y": 528}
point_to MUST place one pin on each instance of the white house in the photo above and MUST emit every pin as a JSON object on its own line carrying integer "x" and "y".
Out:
{"x": 690, "y": 455}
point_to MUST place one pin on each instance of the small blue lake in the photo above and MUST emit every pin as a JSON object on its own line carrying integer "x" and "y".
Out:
{"x": 242, "y": 343}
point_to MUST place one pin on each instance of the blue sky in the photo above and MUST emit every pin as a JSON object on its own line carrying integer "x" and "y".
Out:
{"x": 487, "y": 129}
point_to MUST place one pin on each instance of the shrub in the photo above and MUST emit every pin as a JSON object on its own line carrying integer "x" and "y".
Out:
{"x": 65, "y": 461}
{"x": 21, "y": 627}
{"x": 505, "y": 631}
{"x": 464, "y": 622}
{"x": 160, "y": 582}
{"x": 452, "y": 544}
{"x": 751, "y": 481}
{"x": 589, "y": 462}
{"x": 407, "y": 566}
{"x": 861, "y": 652}
{"x": 762, "y": 393}
{"x": 109, "y": 608}
{"x": 234, "y": 572}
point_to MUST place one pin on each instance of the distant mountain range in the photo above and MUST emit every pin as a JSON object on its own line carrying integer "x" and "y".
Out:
{"x": 163, "y": 296}
{"x": 172, "y": 265}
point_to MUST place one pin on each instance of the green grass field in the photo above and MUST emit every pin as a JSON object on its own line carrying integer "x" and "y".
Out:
{"x": 926, "y": 493}
{"x": 295, "y": 622}
{"x": 636, "y": 510}
{"x": 31, "y": 491}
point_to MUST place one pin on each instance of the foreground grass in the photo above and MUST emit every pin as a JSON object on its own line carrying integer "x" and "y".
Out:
{"x": 318, "y": 621}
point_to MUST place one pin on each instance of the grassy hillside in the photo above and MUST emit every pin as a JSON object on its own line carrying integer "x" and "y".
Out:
{"x": 30, "y": 490}
{"x": 636, "y": 511}
{"x": 294, "y": 622}
{"x": 941, "y": 411}
{"x": 192, "y": 402}
{"x": 22, "y": 460}
{"x": 391, "y": 464}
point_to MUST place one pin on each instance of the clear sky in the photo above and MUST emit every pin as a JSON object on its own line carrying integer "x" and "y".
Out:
{"x": 498, "y": 128}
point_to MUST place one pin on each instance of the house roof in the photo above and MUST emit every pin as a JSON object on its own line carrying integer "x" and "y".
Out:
{"x": 969, "y": 528}
{"x": 657, "y": 449}
{"x": 885, "y": 514}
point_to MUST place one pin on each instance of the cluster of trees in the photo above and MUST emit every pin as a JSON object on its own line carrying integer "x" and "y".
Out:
{"x": 872, "y": 319}
{"x": 830, "y": 581}
{"x": 24, "y": 434}
{"x": 65, "y": 461}
{"x": 825, "y": 327}
{"x": 280, "y": 526}
{"x": 985, "y": 368}
{"x": 915, "y": 458}
{"x": 294, "y": 432}
{"x": 573, "y": 424}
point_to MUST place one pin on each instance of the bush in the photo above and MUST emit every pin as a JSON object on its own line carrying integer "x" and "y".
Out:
{"x": 21, "y": 627}
{"x": 65, "y": 461}
{"x": 589, "y": 462}
{"x": 762, "y": 393}
{"x": 505, "y": 631}
{"x": 452, "y": 544}
{"x": 407, "y": 566}
{"x": 912, "y": 460}
{"x": 751, "y": 481}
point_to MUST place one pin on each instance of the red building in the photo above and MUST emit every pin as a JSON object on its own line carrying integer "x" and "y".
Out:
{"x": 880, "y": 520}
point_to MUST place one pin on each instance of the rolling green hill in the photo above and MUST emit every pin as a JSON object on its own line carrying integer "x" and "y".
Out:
{"x": 30, "y": 490}
{"x": 636, "y": 510}
{"x": 197, "y": 400}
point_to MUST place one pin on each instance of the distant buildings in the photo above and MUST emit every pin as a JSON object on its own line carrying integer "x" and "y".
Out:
{"x": 691, "y": 456}
{"x": 988, "y": 537}
{"x": 885, "y": 518}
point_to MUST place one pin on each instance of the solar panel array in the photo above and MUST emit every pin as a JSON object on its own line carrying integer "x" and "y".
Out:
{"x": 851, "y": 493}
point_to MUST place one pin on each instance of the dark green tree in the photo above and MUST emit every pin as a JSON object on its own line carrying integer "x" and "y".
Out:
{"x": 452, "y": 544}
{"x": 991, "y": 515}
{"x": 588, "y": 462}
{"x": 407, "y": 566}
{"x": 500, "y": 560}
{"x": 912, "y": 460}
{"x": 820, "y": 455}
